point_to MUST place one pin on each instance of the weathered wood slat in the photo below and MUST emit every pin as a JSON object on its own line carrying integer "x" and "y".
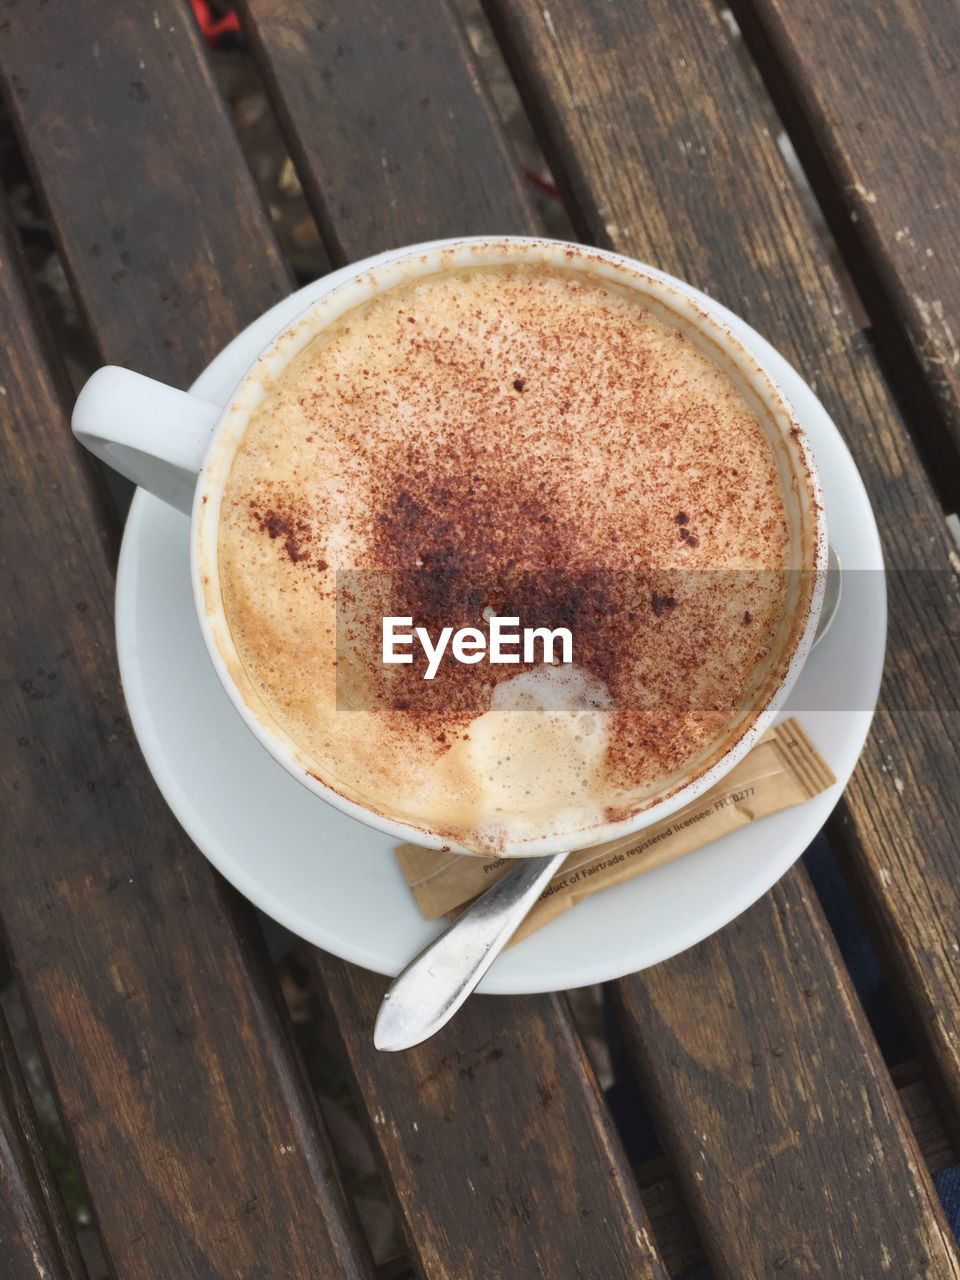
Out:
{"x": 769, "y": 1083}
{"x": 666, "y": 149}
{"x": 158, "y": 219}
{"x": 877, "y": 90}
{"x": 387, "y": 93}
{"x": 173, "y": 1070}
{"x": 35, "y": 1235}
{"x": 496, "y": 1141}
{"x": 199, "y": 1139}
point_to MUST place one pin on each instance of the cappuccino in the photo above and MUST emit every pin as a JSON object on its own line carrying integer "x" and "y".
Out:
{"x": 522, "y": 441}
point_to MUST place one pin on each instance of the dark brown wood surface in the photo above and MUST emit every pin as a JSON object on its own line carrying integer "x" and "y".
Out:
{"x": 193, "y": 1126}
{"x": 173, "y": 1070}
{"x": 198, "y": 1137}
{"x": 666, "y": 149}
{"x": 35, "y": 1235}
{"x": 496, "y": 1141}
{"x": 775, "y": 1106}
{"x": 618, "y": 1226}
{"x": 158, "y": 220}
{"x": 878, "y": 87}
{"x": 387, "y": 92}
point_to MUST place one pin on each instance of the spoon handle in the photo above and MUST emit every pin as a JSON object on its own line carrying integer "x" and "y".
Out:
{"x": 432, "y": 987}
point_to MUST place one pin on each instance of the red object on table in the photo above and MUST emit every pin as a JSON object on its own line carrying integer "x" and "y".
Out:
{"x": 212, "y": 27}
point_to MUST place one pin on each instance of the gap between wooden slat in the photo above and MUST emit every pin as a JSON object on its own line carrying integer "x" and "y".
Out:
{"x": 38, "y": 1237}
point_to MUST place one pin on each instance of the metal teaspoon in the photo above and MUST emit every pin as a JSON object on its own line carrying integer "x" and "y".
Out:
{"x": 432, "y": 987}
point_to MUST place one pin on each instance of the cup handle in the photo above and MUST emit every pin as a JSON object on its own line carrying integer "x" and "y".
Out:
{"x": 153, "y": 434}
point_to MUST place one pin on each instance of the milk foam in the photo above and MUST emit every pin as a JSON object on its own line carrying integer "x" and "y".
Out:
{"x": 528, "y": 416}
{"x": 540, "y": 750}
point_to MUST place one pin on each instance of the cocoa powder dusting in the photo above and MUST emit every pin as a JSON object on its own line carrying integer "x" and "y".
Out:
{"x": 662, "y": 604}
{"x": 294, "y": 531}
{"x": 458, "y": 488}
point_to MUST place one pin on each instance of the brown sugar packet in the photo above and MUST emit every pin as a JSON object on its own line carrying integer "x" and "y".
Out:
{"x": 782, "y": 770}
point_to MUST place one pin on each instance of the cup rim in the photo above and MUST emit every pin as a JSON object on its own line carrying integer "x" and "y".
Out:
{"x": 344, "y": 295}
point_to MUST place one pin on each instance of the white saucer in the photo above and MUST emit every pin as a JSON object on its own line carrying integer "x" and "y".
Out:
{"x": 334, "y": 881}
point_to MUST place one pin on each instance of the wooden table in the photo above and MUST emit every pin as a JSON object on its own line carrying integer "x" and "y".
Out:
{"x": 200, "y": 1143}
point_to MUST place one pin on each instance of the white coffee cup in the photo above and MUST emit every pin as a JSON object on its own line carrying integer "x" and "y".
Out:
{"x": 181, "y": 448}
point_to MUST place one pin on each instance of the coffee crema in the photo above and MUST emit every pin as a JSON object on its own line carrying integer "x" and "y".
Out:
{"x": 528, "y": 440}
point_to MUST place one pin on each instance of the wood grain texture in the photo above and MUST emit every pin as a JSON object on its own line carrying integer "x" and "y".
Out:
{"x": 35, "y": 1236}
{"x": 155, "y": 212}
{"x": 772, "y": 1099}
{"x": 934, "y": 1141}
{"x": 391, "y": 130}
{"x": 665, "y": 147}
{"x": 878, "y": 87}
{"x": 496, "y": 1141}
{"x": 198, "y": 1137}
